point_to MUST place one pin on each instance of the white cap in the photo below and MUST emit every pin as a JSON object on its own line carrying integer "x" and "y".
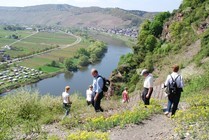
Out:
{"x": 144, "y": 71}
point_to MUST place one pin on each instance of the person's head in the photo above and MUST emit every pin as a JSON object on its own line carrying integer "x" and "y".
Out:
{"x": 145, "y": 72}
{"x": 67, "y": 88}
{"x": 90, "y": 87}
{"x": 125, "y": 88}
{"x": 94, "y": 72}
{"x": 175, "y": 68}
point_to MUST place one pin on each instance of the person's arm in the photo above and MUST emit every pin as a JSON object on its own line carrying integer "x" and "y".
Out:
{"x": 128, "y": 97}
{"x": 167, "y": 81}
{"x": 182, "y": 82}
{"x": 69, "y": 102}
{"x": 99, "y": 87}
{"x": 150, "y": 87}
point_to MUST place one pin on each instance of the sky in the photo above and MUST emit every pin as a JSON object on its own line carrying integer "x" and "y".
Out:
{"x": 145, "y": 5}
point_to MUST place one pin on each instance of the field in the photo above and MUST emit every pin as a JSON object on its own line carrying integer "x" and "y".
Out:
{"x": 39, "y": 42}
{"x": 4, "y": 40}
{"x": 41, "y": 60}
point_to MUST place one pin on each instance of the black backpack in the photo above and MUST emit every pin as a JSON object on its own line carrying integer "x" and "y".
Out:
{"x": 106, "y": 83}
{"x": 173, "y": 86}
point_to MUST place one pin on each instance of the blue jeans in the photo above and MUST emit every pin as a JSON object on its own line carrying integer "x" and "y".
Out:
{"x": 173, "y": 99}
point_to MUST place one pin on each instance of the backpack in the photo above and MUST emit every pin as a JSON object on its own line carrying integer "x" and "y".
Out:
{"x": 172, "y": 87}
{"x": 106, "y": 83}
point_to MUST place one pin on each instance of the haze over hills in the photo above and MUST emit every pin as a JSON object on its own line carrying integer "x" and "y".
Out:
{"x": 67, "y": 15}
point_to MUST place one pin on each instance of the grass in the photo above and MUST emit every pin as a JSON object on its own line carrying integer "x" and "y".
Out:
{"x": 39, "y": 61}
{"x": 4, "y": 33}
{"x": 193, "y": 122}
{"x": 85, "y": 135}
{"x": 36, "y": 43}
{"x": 25, "y": 113}
{"x": 49, "y": 69}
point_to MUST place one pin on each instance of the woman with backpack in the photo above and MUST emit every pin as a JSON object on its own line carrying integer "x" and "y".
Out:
{"x": 174, "y": 84}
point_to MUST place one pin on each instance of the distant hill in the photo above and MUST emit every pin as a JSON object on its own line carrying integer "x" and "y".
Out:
{"x": 66, "y": 15}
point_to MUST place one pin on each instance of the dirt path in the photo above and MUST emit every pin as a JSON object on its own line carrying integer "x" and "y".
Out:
{"x": 159, "y": 127}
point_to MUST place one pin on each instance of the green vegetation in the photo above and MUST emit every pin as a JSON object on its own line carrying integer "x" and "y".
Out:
{"x": 25, "y": 113}
{"x": 193, "y": 122}
{"x": 50, "y": 69}
{"x": 6, "y": 39}
{"x": 13, "y": 28}
{"x": 83, "y": 56}
{"x": 39, "y": 42}
{"x": 85, "y": 135}
{"x": 169, "y": 36}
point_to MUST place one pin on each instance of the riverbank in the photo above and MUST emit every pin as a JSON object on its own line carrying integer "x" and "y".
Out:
{"x": 13, "y": 86}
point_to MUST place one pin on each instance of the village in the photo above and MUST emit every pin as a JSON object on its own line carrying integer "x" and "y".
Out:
{"x": 130, "y": 32}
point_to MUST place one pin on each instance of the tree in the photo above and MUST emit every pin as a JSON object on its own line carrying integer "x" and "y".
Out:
{"x": 82, "y": 52}
{"x": 70, "y": 66}
{"x": 150, "y": 43}
{"x": 83, "y": 61}
{"x": 54, "y": 64}
{"x": 156, "y": 28}
{"x": 93, "y": 58}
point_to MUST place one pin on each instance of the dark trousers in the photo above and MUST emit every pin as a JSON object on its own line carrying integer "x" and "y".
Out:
{"x": 144, "y": 98}
{"x": 97, "y": 103}
{"x": 88, "y": 102}
{"x": 67, "y": 108}
{"x": 173, "y": 99}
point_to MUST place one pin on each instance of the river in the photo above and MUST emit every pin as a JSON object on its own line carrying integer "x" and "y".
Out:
{"x": 80, "y": 80}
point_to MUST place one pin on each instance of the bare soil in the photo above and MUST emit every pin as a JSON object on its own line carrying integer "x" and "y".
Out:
{"x": 159, "y": 127}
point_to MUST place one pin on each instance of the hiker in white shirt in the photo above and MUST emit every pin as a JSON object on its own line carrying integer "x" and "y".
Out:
{"x": 174, "y": 98}
{"x": 66, "y": 101}
{"x": 89, "y": 95}
{"x": 148, "y": 86}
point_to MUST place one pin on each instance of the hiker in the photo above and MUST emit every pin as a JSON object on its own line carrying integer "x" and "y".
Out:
{"x": 125, "y": 95}
{"x": 89, "y": 92}
{"x": 148, "y": 86}
{"x": 174, "y": 94}
{"x": 66, "y": 101}
{"x": 97, "y": 90}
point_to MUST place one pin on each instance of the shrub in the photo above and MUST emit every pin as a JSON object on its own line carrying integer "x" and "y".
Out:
{"x": 26, "y": 112}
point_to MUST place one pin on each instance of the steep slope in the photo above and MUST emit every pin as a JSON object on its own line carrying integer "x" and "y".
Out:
{"x": 180, "y": 37}
{"x": 67, "y": 15}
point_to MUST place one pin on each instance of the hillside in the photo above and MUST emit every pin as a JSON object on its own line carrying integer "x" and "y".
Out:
{"x": 66, "y": 15}
{"x": 180, "y": 37}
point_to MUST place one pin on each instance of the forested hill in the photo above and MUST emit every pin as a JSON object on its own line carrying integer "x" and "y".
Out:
{"x": 67, "y": 15}
{"x": 181, "y": 37}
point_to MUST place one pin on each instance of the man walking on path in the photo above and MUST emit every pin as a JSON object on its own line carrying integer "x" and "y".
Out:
{"x": 97, "y": 90}
{"x": 174, "y": 96}
{"x": 148, "y": 86}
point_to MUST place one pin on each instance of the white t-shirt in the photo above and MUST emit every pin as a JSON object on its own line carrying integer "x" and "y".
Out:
{"x": 179, "y": 80}
{"x": 65, "y": 96}
{"x": 88, "y": 94}
{"x": 148, "y": 82}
